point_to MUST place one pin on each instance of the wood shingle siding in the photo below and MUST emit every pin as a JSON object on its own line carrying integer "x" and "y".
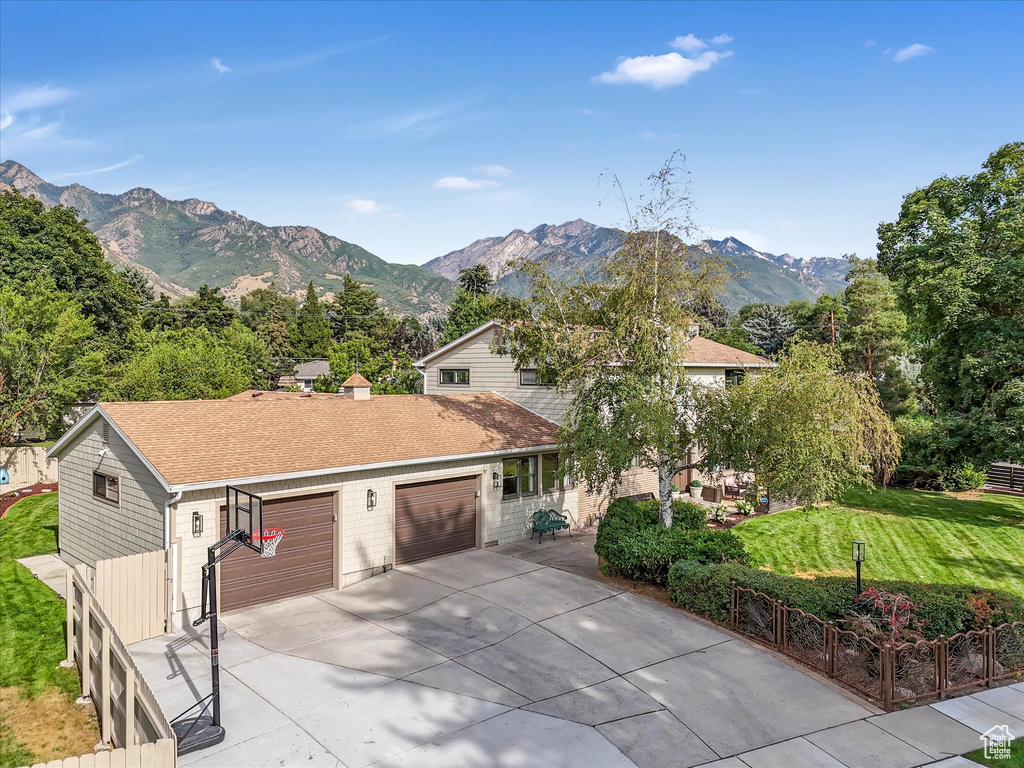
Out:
{"x": 94, "y": 529}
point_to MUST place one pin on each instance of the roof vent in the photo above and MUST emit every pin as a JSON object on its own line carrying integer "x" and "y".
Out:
{"x": 306, "y": 394}
{"x": 256, "y": 394}
{"x": 106, "y": 433}
{"x": 356, "y": 387}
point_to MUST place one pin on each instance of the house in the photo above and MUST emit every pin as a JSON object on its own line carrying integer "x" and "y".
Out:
{"x": 359, "y": 483}
{"x": 305, "y": 375}
{"x": 468, "y": 365}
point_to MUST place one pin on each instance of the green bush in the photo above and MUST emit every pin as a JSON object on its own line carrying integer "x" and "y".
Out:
{"x": 623, "y": 516}
{"x": 947, "y": 609}
{"x": 688, "y": 515}
{"x": 647, "y": 554}
{"x": 964, "y": 477}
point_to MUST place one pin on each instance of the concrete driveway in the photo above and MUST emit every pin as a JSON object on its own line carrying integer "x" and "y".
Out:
{"x": 509, "y": 657}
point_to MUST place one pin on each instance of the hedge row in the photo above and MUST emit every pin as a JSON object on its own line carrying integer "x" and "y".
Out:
{"x": 631, "y": 541}
{"x": 947, "y": 609}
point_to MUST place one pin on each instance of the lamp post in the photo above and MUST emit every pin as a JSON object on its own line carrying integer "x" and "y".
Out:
{"x": 858, "y": 557}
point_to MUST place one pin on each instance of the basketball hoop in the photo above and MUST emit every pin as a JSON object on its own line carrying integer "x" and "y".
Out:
{"x": 270, "y": 538}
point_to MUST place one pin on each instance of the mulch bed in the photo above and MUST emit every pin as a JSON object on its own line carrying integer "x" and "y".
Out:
{"x": 9, "y": 499}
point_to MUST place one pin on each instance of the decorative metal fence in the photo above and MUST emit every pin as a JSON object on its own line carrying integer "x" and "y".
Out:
{"x": 888, "y": 673}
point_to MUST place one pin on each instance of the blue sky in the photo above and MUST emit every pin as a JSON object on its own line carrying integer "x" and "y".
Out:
{"x": 413, "y": 129}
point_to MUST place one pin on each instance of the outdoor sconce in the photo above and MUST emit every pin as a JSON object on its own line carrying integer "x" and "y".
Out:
{"x": 497, "y": 479}
{"x": 197, "y": 524}
{"x": 859, "y": 548}
{"x": 371, "y": 498}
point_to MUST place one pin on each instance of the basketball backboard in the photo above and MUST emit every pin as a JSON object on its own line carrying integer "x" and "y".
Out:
{"x": 245, "y": 514}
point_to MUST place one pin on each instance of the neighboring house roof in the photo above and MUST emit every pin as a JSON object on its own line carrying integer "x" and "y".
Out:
{"x": 701, "y": 351}
{"x": 312, "y": 368}
{"x": 205, "y": 443}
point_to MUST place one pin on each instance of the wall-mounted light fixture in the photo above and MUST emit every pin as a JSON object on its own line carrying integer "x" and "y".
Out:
{"x": 197, "y": 524}
{"x": 497, "y": 479}
{"x": 371, "y": 498}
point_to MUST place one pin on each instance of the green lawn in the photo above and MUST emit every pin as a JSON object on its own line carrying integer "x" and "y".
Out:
{"x": 31, "y": 617}
{"x": 910, "y": 535}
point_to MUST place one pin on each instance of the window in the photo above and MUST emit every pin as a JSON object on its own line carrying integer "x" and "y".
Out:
{"x": 519, "y": 477}
{"x": 454, "y": 376}
{"x": 529, "y": 377}
{"x": 550, "y": 478}
{"x": 105, "y": 487}
{"x": 734, "y": 376}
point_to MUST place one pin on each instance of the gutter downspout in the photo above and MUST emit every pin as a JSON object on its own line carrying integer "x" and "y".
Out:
{"x": 173, "y": 564}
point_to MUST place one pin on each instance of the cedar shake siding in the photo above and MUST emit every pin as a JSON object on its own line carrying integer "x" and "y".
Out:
{"x": 92, "y": 528}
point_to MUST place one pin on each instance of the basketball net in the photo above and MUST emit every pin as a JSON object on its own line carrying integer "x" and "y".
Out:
{"x": 269, "y": 538}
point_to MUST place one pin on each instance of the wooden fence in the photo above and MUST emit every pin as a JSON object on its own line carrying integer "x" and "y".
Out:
{"x": 129, "y": 714}
{"x": 134, "y": 593}
{"x": 888, "y": 673}
{"x": 27, "y": 465}
{"x": 1003, "y": 476}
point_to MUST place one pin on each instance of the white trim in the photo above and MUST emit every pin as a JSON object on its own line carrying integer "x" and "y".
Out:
{"x": 452, "y": 344}
{"x": 207, "y": 484}
{"x": 88, "y": 419}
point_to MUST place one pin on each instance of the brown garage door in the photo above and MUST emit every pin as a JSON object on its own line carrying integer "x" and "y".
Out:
{"x": 304, "y": 561}
{"x": 434, "y": 518}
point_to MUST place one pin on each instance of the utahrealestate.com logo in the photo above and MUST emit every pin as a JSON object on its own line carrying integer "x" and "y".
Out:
{"x": 997, "y": 742}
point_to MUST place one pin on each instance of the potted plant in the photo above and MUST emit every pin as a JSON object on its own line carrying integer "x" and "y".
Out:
{"x": 695, "y": 489}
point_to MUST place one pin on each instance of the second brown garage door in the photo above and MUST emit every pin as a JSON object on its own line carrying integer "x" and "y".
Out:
{"x": 434, "y": 518}
{"x": 304, "y": 561}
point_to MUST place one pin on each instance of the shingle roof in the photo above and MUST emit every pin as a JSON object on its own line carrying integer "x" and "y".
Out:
{"x": 356, "y": 380}
{"x": 312, "y": 368}
{"x": 197, "y": 441}
{"x": 700, "y": 351}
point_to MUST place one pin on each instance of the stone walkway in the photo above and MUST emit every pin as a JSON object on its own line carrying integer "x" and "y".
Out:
{"x": 515, "y": 657}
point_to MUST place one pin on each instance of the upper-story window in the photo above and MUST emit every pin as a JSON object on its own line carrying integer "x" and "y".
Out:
{"x": 454, "y": 376}
{"x": 530, "y": 377}
{"x": 734, "y": 376}
{"x": 106, "y": 487}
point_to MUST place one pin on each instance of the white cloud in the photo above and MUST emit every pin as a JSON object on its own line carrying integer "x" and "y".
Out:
{"x": 689, "y": 44}
{"x": 661, "y": 71}
{"x": 94, "y": 171}
{"x": 366, "y": 207}
{"x": 217, "y": 65}
{"x": 722, "y": 39}
{"x": 869, "y": 43}
{"x": 493, "y": 170}
{"x": 912, "y": 52}
{"x": 461, "y": 182}
{"x": 29, "y": 100}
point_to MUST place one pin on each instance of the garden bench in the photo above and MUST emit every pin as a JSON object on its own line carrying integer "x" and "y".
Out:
{"x": 545, "y": 520}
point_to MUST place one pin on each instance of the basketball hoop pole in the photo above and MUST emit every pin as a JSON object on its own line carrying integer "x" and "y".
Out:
{"x": 202, "y": 730}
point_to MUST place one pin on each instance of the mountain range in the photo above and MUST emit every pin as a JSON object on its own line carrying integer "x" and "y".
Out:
{"x": 579, "y": 246}
{"x": 183, "y": 244}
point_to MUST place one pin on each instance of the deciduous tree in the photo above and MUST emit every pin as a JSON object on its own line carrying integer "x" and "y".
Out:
{"x": 956, "y": 256}
{"x": 48, "y": 357}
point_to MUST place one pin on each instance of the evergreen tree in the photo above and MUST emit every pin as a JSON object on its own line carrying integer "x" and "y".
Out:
{"x": 467, "y": 311}
{"x": 769, "y": 327}
{"x": 312, "y": 336}
{"x": 476, "y": 280}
